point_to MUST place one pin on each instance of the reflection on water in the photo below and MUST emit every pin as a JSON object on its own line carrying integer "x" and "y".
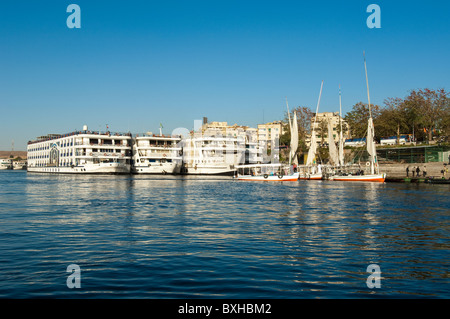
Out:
{"x": 170, "y": 236}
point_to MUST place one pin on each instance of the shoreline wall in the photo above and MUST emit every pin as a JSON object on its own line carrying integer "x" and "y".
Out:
{"x": 399, "y": 170}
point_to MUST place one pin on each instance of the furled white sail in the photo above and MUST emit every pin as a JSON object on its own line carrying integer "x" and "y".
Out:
{"x": 341, "y": 149}
{"x": 312, "y": 149}
{"x": 370, "y": 144}
{"x": 332, "y": 146}
{"x": 294, "y": 140}
{"x": 370, "y": 135}
{"x": 313, "y": 144}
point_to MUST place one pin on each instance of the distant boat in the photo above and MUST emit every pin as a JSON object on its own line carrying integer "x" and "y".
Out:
{"x": 374, "y": 173}
{"x": 266, "y": 172}
{"x": 437, "y": 180}
{"x": 5, "y": 164}
{"x": 18, "y": 165}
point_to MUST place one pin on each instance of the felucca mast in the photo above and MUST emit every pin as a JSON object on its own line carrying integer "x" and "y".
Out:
{"x": 318, "y": 103}
{"x": 341, "y": 142}
{"x": 367, "y": 83}
{"x": 370, "y": 132}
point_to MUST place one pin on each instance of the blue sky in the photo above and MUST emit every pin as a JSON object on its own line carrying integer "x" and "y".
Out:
{"x": 134, "y": 64}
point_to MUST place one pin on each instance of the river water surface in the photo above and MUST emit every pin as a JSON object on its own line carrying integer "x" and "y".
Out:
{"x": 181, "y": 237}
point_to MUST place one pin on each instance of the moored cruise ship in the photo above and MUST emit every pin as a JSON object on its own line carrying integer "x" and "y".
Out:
{"x": 212, "y": 155}
{"x": 156, "y": 154}
{"x": 5, "y": 164}
{"x": 80, "y": 152}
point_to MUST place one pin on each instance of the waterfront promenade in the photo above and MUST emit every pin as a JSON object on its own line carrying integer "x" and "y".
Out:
{"x": 397, "y": 171}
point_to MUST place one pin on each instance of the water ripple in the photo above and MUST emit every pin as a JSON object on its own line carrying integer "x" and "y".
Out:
{"x": 181, "y": 237}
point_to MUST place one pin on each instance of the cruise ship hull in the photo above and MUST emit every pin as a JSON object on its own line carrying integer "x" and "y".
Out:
{"x": 209, "y": 170}
{"x": 159, "y": 168}
{"x": 103, "y": 168}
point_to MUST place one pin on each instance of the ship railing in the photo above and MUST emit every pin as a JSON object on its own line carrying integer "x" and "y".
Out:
{"x": 169, "y": 147}
{"x": 100, "y": 145}
{"x": 155, "y": 135}
{"x": 58, "y": 136}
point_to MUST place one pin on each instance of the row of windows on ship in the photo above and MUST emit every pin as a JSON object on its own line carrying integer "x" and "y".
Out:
{"x": 70, "y": 143}
{"x": 68, "y": 153}
{"x": 48, "y": 146}
{"x": 69, "y": 162}
{"x": 100, "y": 142}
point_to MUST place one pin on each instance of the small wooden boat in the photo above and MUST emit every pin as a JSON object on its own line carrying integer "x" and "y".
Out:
{"x": 266, "y": 172}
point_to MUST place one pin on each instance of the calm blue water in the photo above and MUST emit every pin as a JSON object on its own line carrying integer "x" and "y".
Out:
{"x": 175, "y": 237}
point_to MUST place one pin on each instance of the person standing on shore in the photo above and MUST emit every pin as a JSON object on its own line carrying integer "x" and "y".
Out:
{"x": 413, "y": 170}
{"x": 407, "y": 171}
{"x": 418, "y": 171}
{"x": 424, "y": 171}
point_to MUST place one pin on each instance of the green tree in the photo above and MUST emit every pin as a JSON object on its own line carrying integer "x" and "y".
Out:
{"x": 358, "y": 118}
{"x": 445, "y": 130}
{"x": 392, "y": 119}
{"x": 430, "y": 109}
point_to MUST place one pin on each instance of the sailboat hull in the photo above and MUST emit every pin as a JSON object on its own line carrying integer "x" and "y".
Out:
{"x": 317, "y": 176}
{"x": 380, "y": 178}
{"x": 269, "y": 178}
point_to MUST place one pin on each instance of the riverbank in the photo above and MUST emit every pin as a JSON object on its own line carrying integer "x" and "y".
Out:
{"x": 397, "y": 172}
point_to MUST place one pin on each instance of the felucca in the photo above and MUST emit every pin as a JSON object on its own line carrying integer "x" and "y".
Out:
{"x": 373, "y": 166}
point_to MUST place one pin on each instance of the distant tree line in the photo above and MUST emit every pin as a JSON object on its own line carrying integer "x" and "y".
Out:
{"x": 424, "y": 113}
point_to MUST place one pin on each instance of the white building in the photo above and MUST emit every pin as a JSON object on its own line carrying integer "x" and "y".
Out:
{"x": 253, "y": 148}
{"x": 332, "y": 117}
{"x": 269, "y": 134}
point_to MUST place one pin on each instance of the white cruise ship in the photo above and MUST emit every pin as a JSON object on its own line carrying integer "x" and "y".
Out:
{"x": 80, "y": 152}
{"x": 5, "y": 164}
{"x": 212, "y": 155}
{"x": 156, "y": 154}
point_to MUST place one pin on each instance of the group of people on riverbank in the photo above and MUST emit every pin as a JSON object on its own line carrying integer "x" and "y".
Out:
{"x": 416, "y": 171}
